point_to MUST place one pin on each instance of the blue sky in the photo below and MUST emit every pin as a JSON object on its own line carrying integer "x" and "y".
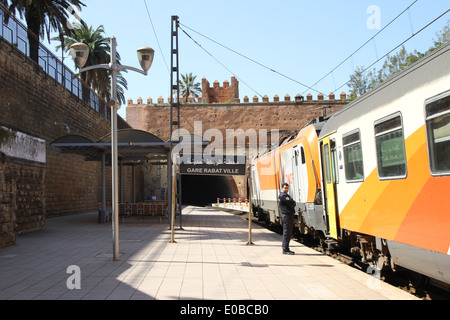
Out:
{"x": 302, "y": 40}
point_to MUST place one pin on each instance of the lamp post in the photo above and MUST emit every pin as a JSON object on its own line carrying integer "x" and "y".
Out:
{"x": 80, "y": 53}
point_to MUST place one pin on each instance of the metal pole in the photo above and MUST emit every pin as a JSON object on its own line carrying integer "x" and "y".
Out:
{"x": 133, "y": 183}
{"x": 169, "y": 183}
{"x": 172, "y": 222}
{"x": 250, "y": 209}
{"x": 114, "y": 153}
{"x": 114, "y": 67}
{"x": 169, "y": 162}
{"x": 180, "y": 195}
{"x": 174, "y": 68}
{"x": 103, "y": 188}
{"x": 103, "y": 182}
{"x": 178, "y": 189}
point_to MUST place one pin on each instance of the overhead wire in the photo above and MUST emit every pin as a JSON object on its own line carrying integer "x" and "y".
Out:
{"x": 156, "y": 36}
{"x": 401, "y": 44}
{"x": 250, "y": 59}
{"x": 362, "y": 46}
{"x": 407, "y": 9}
{"x": 198, "y": 44}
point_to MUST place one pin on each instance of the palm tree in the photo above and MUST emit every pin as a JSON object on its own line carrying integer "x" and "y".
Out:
{"x": 189, "y": 87}
{"x": 99, "y": 53}
{"x": 42, "y": 17}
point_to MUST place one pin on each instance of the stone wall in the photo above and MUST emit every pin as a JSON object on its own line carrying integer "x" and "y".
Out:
{"x": 196, "y": 118}
{"x": 22, "y": 202}
{"x": 220, "y": 94}
{"x": 282, "y": 115}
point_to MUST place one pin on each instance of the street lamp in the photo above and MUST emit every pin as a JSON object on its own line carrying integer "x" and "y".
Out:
{"x": 80, "y": 53}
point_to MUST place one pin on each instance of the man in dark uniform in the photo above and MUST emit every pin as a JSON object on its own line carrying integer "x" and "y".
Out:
{"x": 287, "y": 209}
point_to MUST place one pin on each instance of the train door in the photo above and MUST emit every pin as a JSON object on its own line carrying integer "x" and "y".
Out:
{"x": 300, "y": 173}
{"x": 287, "y": 172}
{"x": 296, "y": 182}
{"x": 329, "y": 177}
{"x": 254, "y": 188}
{"x": 303, "y": 173}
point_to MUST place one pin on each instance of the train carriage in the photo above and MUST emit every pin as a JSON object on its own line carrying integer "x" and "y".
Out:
{"x": 386, "y": 170}
{"x": 295, "y": 162}
{"x": 381, "y": 168}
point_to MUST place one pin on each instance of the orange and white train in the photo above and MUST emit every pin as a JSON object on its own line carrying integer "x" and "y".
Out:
{"x": 375, "y": 176}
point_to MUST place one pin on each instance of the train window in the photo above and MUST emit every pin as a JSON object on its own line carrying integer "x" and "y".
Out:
{"x": 333, "y": 161}
{"x": 390, "y": 145}
{"x": 302, "y": 152}
{"x": 327, "y": 162}
{"x": 438, "y": 134}
{"x": 353, "y": 159}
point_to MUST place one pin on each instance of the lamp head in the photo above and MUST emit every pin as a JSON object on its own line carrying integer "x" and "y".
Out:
{"x": 80, "y": 53}
{"x": 145, "y": 56}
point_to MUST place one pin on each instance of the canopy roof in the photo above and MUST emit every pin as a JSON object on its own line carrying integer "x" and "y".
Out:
{"x": 134, "y": 146}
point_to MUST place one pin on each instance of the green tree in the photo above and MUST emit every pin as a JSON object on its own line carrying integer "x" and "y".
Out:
{"x": 443, "y": 37}
{"x": 99, "y": 53}
{"x": 396, "y": 63}
{"x": 359, "y": 83}
{"x": 42, "y": 17}
{"x": 362, "y": 81}
{"x": 189, "y": 87}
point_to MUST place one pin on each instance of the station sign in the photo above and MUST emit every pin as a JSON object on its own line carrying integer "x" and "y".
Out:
{"x": 221, "y": 165}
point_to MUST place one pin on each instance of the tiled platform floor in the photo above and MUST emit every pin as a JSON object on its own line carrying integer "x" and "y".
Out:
{"x": 210, "y": 260}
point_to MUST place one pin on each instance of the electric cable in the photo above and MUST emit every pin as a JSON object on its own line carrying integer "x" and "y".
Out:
{"x": 401, "y": 44}
{"x": 156, "y": 36}
{"x": 250, "y": 59}
{"x": 407, "y": 9}
{"x": 190, "y": 37}
{"x": 362, "y": 46}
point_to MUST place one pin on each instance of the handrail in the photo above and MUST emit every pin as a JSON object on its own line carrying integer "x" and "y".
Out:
{"x": 15, "y": 33}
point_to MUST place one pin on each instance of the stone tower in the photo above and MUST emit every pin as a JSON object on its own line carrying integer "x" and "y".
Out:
{"x": 218, "y": 94}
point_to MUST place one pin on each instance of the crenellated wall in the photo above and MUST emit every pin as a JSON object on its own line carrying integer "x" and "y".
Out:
{"x": 286, "y": 114}
{"x": 219, "y": 94}
{"x": 283, "y": 115}
{"x": 229, "y": 94}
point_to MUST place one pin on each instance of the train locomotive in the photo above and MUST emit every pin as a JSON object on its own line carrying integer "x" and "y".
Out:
{"x": 374, "y": 177}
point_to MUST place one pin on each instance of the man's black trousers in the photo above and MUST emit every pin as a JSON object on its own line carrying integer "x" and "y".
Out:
{"x": 288, "y": 225}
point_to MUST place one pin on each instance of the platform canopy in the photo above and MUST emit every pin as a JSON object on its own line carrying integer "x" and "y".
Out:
{"x": 134, "y": 146}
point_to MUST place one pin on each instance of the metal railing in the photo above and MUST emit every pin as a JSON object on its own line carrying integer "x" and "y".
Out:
{"x": 15, "y": 33}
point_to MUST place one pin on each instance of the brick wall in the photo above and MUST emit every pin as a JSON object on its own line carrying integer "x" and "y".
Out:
{"x": 219, "y": 107}
{"x": 31, "y": 102}
{"x": 220, "y": 94}
{"x": 260, "y": 115}
{"x": 21, "y": 198}
{"x": 277, "y": 115}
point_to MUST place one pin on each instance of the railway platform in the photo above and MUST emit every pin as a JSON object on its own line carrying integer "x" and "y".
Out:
{"x": 211, "y": 260}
